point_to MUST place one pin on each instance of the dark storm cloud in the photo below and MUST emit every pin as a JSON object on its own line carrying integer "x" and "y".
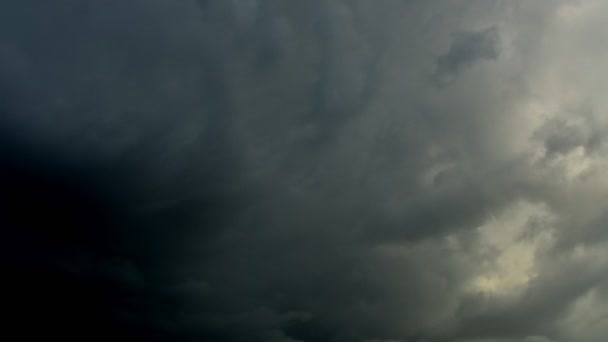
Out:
{"x": 259, "y": 170}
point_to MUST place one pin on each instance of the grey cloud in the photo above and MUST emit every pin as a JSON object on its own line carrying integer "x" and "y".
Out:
{"x": 562, "y": 134}
{"x": 285, "y": 171}
{"x": 466, "y": 49}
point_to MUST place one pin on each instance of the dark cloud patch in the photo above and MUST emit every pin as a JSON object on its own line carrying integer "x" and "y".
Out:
{"x": 466, "y": 49}
{"x": 565, "y": 133}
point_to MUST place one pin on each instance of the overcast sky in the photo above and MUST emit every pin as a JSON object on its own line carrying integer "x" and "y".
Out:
{"x": 305, "y": 170}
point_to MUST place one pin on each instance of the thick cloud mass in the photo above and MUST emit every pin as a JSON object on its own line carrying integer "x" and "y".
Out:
{"x": 320, "y": 170}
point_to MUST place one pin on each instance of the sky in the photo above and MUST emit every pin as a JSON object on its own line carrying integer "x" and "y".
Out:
{"x": 294, "y": 171}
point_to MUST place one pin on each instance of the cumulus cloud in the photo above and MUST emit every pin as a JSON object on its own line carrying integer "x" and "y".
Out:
{"x": 339, "y": 170}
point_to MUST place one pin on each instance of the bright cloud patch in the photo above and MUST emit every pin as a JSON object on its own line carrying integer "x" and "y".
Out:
{"x": 510, "y": 243}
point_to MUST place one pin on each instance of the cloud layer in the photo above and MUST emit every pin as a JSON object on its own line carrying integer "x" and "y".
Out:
{"x": 344, "y": 170}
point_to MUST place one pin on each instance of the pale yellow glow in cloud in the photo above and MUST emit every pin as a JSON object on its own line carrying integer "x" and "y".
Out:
{"x": 510, "y": 243}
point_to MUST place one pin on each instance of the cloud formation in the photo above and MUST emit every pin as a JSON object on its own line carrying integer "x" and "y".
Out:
{"x": 466, "y": 49}
{"x": 345, "y": 170}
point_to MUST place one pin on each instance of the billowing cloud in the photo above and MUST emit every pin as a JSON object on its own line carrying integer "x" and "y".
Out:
{"x": 345, "y": 170}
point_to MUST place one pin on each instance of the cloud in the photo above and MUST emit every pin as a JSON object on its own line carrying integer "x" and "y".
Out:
{"x": 467, "y": 48}
{"x": 272, "y": 171}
